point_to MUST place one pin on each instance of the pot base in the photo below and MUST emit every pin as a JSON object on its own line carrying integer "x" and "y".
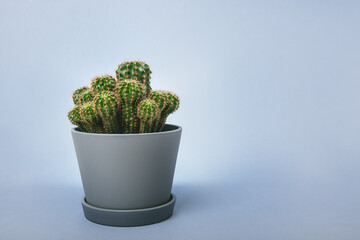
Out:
{"x": 129, "y": 218}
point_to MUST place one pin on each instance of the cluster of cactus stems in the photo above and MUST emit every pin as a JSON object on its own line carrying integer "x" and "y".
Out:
{"x": 126, "y": 104}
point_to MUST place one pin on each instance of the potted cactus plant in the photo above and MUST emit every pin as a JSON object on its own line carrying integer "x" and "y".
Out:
{"x": 126, "y": 152}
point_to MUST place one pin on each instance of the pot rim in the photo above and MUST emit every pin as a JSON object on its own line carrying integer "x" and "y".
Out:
{"x": 178, "y": 129}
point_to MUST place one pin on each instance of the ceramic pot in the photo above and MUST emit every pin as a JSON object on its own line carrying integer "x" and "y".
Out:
{"x": 127, "y": 172}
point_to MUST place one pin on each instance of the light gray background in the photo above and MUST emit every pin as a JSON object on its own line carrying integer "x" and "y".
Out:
{"x": 269, "y": 106}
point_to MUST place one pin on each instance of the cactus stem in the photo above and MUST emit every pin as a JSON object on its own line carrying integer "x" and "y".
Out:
{"x": 131, "y": 92}
{"x": 171, "y": 106}
{"x": 107, "y": 107}
{"x": 147, "y": 111}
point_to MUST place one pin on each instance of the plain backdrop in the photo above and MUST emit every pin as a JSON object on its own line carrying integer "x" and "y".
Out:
{"x": 270, "y": 110}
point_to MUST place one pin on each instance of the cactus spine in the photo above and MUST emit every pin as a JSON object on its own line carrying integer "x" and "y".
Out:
{"x": 147, "y": 111}
{"x": 126, "y": 105}
{"x": 137, "y": 70}
{"x": 107, "y": 105}
{"x": 131, "y": 92}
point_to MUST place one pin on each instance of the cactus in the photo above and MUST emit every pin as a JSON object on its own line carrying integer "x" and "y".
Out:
{"x": 103, "y": 83}
{"x": 131, "y": 92}
{"x": 107, "y": 107}
{"x": 75, "y": 118}
{"x": 161, "y": 100}
{"x": 77, "y": 93}
{"x": 148, "y": 112}
{"x": 126, "y": 105}
{"x": 86, "y": 96}
{"x": 171, "y": 106}
{"x": 137, "y": 70}
{"x": 90, "y": 118}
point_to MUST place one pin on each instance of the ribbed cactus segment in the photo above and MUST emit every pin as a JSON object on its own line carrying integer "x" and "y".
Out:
{"x": 173, "y": 103}
{"x": 86, "y": 96}
{"x": 77, "y": 94}
{"x": 90, "y": 118}
{"x": 171, "y": 106}
{"x": 103, "y": 83}
{"x": 131, "y": 92}
{"x": 147, "y": 111}
{"x": 75, "y": 118}
{"x": 161, "y": 100}
{"x": 107, "y": 106}
{"x": 137, "y": 70}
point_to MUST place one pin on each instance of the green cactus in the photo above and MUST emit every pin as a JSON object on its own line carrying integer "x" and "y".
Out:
{"x": 131, "y": 92}
{"x": 161, "y": 100}
{"x": 86, "y": 96}
{"x": 103, "y": 83}
{"x": 107, "y": 106}
{"x": 171, "y": 106}
{"x": 77, "y": 94}
{"x": 90, "y": 118}
{"x": 75, "y": 118}
{"x": 147, "y": 111}
{"x": 126, "y": 105}
{"x": 137, "y": 70}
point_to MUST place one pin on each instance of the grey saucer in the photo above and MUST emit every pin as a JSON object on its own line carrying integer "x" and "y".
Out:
{"x": 129, "y": 218}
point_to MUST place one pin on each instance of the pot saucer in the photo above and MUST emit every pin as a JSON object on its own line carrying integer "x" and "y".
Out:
{"x": 128, "y": 218}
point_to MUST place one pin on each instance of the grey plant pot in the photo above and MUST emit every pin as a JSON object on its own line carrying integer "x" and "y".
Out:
{"x": 127, "y": 178}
